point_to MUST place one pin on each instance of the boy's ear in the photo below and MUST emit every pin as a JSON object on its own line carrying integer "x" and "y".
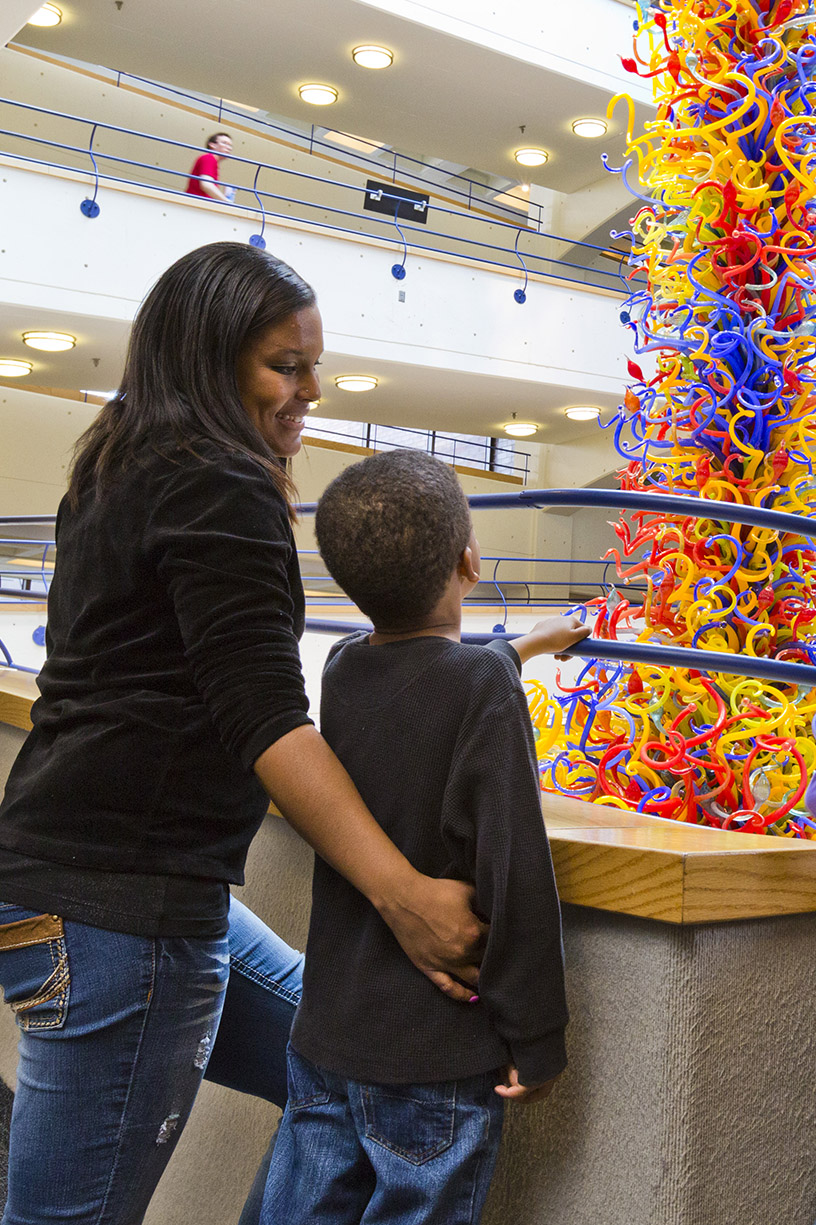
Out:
{"x": 467, "y": 568}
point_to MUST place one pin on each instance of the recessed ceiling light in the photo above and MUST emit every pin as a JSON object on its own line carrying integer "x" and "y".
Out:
{"x": 531, "y": 157}
{"x": 318, "y": 95}
{"x": 373, "y": 57}
{"x": 590, "y": 128}
{"x": 356, "y": 382}
{"x": 12, "y": 368}
{"x": 520, "y": 429}
{"x": 49, "y": 342}
{"x": 48, "y": 15}
{"x": 582, "y": 412}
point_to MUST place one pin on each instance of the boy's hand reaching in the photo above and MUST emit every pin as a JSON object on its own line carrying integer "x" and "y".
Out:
{"x": 514, "y": 1091}
{"x": 551, "y": 636}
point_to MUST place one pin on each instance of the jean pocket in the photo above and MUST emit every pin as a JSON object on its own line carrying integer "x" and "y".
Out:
{"x": 34, "y": 970}
{"x": 414, "y": 1122}
{"x": 306, "y": 1086}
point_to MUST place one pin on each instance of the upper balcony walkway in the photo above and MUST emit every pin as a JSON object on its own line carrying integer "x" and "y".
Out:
{"x": 481, "y": 289}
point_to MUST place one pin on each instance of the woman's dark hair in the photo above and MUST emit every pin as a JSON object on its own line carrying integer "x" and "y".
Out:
{"x": 179, "y": 386}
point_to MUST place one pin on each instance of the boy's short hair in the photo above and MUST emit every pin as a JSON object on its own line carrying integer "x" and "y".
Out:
{"x": 391, "y": 530}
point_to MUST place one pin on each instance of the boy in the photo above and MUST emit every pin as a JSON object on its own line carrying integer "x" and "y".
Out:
{"x": 395, "y": 1091}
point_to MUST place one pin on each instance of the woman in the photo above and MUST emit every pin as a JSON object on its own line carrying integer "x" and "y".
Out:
{"x": 172, "y": 707}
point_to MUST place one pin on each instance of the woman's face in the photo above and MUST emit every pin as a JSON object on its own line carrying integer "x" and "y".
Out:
{"x": 276, "y": 378}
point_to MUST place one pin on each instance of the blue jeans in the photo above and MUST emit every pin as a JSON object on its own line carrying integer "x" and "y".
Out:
{"x": 117, "y": 1031}
{"x": 358, "y": 1154}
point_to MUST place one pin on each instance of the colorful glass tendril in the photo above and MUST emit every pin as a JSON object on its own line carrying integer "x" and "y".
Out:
{"x": 723, "y": 302}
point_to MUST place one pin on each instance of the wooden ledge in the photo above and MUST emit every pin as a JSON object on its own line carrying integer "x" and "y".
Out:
{"x": 619, "y": 861}
{"x": 610, "y": 859}
{"x": 18, "y": 691}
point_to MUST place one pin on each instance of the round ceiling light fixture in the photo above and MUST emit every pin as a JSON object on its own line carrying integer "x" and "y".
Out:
{"x": 520, "y": 429}
{"x": 356, "y": 382}
{"x": 318, "y": 95}
{"x": 590, "y": 129}
{"x": 49, "y": 342}
{"x": 531, "y": 157}
{"x": 371, "y": 56}
{"x": 582, "y": 412}
{"x": 48, "y": 15}
{"x": 13, "y": 368}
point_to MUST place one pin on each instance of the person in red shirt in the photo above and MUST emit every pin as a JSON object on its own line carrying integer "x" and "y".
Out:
{"x": 203, "y": 179}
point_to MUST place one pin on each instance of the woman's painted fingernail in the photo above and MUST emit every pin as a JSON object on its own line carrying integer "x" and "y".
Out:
{"x": 474, "y": 999}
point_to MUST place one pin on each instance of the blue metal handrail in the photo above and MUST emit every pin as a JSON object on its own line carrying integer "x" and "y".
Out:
{"x": 783, "y": 672}
{"x": 545, "y": 265}
{"x": 401, "y": 163}
{"x": 663, "y": 503}
{"x": 18, "y": 595}
{"x": 502, "y": 599}
{"x": 636, "y": 652}
{"x": 471, "y": 192}
{"x": 633, "y": 652}
{"x": 24, "y": 575}
{"x": 532, "y": 586}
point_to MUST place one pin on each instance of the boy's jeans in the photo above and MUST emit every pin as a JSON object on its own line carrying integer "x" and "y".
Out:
{"x": 117, "y": 1032}
{"x": 352, "y": 1154}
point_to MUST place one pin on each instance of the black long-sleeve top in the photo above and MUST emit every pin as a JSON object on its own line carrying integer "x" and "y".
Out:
{"x": 172, "y": 664}
{"x": 437, "y": 738}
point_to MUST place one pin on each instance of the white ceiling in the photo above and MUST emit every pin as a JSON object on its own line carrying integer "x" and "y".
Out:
{"x": 443, "y": 97}
{"x": 407, "y": 395}
{"x": 95, "y": 364}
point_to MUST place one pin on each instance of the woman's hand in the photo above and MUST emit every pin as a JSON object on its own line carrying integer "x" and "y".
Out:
{"x": 432, "y": 919}
{"x": 437, "y": 929}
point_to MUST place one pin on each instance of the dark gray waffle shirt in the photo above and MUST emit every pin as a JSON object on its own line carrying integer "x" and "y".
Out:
{"x": 437, "y": 738}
